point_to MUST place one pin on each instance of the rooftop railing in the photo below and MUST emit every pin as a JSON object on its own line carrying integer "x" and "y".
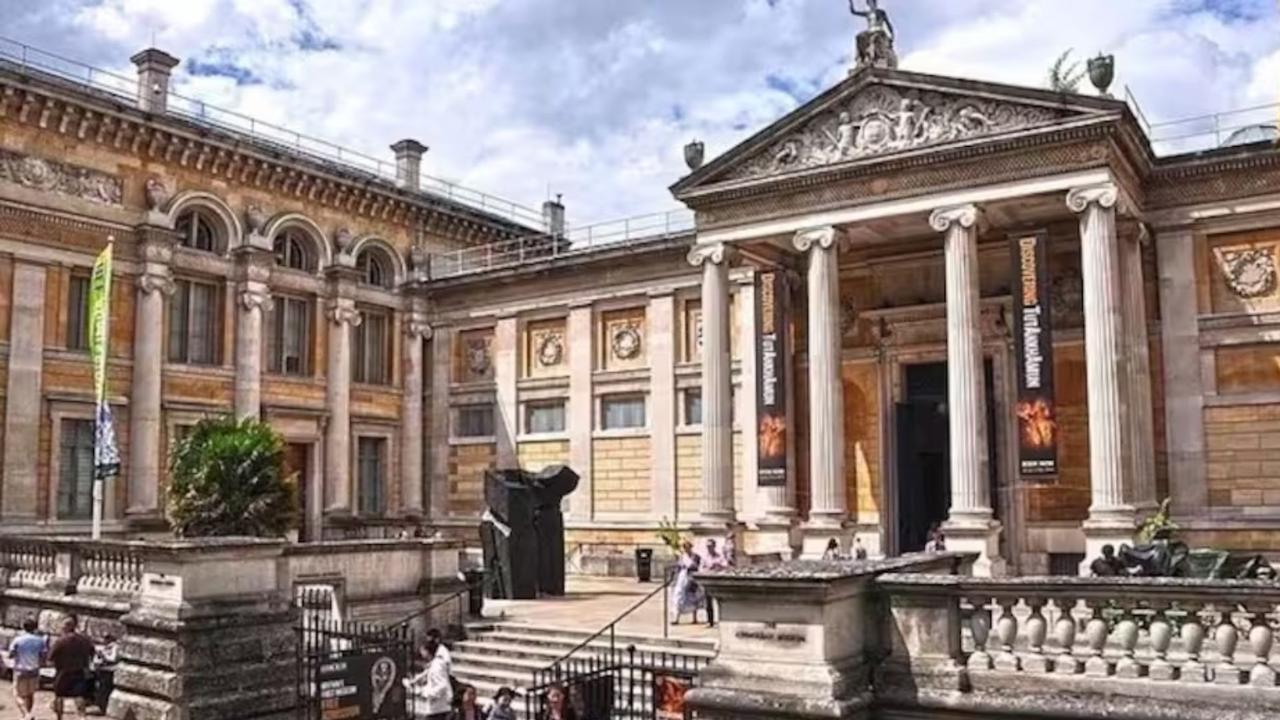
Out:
{"x": 548, "y": 246}
{"x": 26, "y": 57}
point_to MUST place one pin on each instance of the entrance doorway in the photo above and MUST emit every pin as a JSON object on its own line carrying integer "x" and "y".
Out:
{"x": 924, "y": 451}
{"x": 297, "y": 463}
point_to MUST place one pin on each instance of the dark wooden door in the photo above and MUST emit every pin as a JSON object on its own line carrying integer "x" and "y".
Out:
{"x": 296, "y": 462}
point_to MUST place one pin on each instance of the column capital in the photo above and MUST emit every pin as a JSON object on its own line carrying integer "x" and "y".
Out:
{"x": 416, "y": 326}
{"x": 714, "y": 253}
{"x": 255, "y": 297}
{"x": 344, "y": 314}
{"x": 822, "y": 238}
{"x": 151, "y": 282}
{"x": 1104, "y": 194}
{"x": 942, "y": 219}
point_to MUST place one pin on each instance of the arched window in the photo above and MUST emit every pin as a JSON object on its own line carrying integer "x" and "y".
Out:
{"x": 374, "y": 268}
{"x": 197, "y": 230}
{"x": 293, "y": 249}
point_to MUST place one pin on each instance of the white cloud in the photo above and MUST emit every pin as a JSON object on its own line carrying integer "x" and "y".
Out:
{"x": 594, "y": 99}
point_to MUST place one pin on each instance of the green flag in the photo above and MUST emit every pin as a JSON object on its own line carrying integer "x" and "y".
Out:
{"x": 106, "y": 456}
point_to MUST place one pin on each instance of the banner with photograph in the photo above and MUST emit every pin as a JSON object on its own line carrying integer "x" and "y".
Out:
{"x": 106, "y": 454}
{"x": 771, "y": 377}
{"x": 1037, "y": 418}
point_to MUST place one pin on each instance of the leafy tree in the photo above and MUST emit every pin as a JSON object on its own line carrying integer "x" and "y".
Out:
{"x": 228, "y": 478}
{"x": 1063, "y": 77}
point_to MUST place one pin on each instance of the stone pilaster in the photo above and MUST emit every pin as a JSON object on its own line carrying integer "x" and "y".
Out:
{"x": 970, "y": 525}
{"x": 1141, "y": 426}
{"x": 253, "y": 298}
{"x": 1111, "y": 517}
{"x": 1183, "y": 388}
{"x": 416, "y": 330}
{"x": 342, "y": 317}
{"x": 581, "y": 410}
{"x": 441, "y": 375}
{"x": 22, "y": 394}
{"x": 828, "y": 509}
{"x": 155, "y": 248}
{"x": 662, "y": 402}
{"x": 717, "y": 388}
{"x": 506, "y": 423}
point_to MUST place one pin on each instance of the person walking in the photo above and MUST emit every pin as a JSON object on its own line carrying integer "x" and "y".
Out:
{"x": 432, "y": 686}
{"x": 686, "y": 594}
{"x": 26, "y": 652}
{"x": 714, "y": 560}
{"x": 71, "y": 656}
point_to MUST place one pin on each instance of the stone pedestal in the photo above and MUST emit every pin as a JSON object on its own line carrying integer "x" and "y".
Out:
{"x": 210, "y": 635}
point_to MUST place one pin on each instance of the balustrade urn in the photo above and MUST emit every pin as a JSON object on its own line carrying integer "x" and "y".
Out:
{"x": 1161, "y": 632}
{"x": 980, "y": 625}
{"x": 1261, "y": 638}
{"x": 1226, "y": 637}
{"x": 1035, "y": 659}
{"x": 1192, "y": 670}
{"x": 1007, "y": 632}
{"x": 1064, "y": 631}
{"x": 1095, "y": 633}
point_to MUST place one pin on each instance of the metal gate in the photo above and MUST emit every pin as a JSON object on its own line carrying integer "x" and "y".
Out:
{"x": 352, "y": 670}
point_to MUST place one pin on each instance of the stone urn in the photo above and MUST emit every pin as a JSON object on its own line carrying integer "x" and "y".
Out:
{"x": 693, "y": 154}
{"x": 1102, "y": 71}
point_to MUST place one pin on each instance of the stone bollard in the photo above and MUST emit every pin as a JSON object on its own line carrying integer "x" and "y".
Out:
{"x": 797, "y": 639}
{"x": 210, "y": 634}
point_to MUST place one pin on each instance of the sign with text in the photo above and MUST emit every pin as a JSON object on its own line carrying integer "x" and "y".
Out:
{"x": 1037, "y": 420}
{"x": 771, "y": 377}
{"x": 361, "y": 687}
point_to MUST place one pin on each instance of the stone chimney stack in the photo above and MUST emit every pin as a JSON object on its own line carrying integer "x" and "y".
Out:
{"x": 409, "y": 163}
{"x": 154, "y": 67}
{"x": 553, "y": 216}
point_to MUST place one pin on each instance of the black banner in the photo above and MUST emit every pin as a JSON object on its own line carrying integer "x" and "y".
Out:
{"x": 1037, "y": 419}
{"x": 362, "y": 687}
{"x": 771, "y": 378}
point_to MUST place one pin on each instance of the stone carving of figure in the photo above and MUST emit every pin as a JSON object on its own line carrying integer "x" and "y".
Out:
{"x": 157, "y": 194}
{"x": 877, "y": 19}
{"x": 846, "y": 135}
{"x": 908, "y": 124}
{"x": 874, "y": 46}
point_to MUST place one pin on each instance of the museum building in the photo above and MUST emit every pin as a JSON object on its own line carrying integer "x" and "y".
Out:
{"x": 915, "y": 300}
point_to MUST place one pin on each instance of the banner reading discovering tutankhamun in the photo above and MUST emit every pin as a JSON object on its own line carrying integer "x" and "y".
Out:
{"x": 771, "y": 378}
{"x": 1037, "y": 420}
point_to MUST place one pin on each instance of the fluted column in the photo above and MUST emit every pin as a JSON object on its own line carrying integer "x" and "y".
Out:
{"x": 254, "y": 262}
{"x": 717, "y": 412}
{"x": 342, "y": 316}
{"x": 1141, "y": 421}
{"x": 154, "y": 285}
{"x": 969, "y": 523}
{"x": 416, "y": 330}
{"x": 828, "y": 502}
{"x": 1110, "y": 516}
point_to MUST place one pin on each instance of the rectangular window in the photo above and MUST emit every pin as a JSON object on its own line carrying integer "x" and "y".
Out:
{"x": 78, "y": 313}
{"x": 371, "y": 461}
{"x": 193, "y": 323}
{"x": 75, "y": 475}
{"x": 693, "y": 406}
{"x": 370, "y": 352}
{"x": 622, "y": 411}
{"x": 289, "y": 336}
{"x": 475, "y": 421}
{"x": 545, "y": 416}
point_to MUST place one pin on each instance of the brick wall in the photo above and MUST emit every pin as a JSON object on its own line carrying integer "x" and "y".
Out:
{"x": 1242, "y": 446}
{"x": 688, "y": 476}
{"x": 535, "y": 456}
{"x": 622, "y": 469}
{"x": 467, "y": 464}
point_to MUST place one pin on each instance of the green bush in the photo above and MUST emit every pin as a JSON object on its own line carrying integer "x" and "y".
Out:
{"x": 228, "y": 478}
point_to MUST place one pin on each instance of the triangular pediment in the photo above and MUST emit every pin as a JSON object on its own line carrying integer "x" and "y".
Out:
{"x": 885, "y": 113}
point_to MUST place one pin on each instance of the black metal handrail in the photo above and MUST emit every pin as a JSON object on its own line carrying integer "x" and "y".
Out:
{"x": 457, "y": 596}
{"x": 611, "y": 628}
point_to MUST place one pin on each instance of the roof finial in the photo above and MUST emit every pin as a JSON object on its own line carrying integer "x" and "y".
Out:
{"x": 873, "y": 47}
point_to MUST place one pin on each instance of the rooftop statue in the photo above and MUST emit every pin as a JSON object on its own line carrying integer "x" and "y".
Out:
{"x": 874, "y": 46}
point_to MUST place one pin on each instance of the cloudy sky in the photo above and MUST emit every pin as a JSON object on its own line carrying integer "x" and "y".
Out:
{"x": 594, "y": 98}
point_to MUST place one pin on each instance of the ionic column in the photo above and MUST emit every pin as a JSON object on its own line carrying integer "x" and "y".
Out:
{"x": 828, "y": 508}
{"x": 717, "y": 412}
{"x": 969, "y": 523}
{"x": 1141, "y": 422}
{"x": 416, "y": 330}
{"x": 154, "y": 285}
{"x": 253, "y": 298}
{"x": 342, "y": 316}
{"x": 1110, "y": 516}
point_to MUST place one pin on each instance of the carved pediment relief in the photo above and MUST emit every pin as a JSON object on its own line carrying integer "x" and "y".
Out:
{"x": 883, "y": 119}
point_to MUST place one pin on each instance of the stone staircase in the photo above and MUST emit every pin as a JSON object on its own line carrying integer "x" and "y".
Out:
{"x": 497, "y": 654}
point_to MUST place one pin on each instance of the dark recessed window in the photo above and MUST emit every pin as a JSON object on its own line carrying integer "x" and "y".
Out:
{"x": 374, "y": 268}
{"x": 193, "y": 323}
{"x": 622, "y": 411}
{"x": 370, "y": 345}
{"x": 294, "y": 249}
{"x": 197, "y": 230}
{"x": 474, "y": 421}
{"x": 289, "y": 336}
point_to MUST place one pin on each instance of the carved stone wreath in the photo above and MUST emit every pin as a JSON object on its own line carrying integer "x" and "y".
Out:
{"x": 478, "y": 360}
{"x": 550, "y": 349}
{"x": 882, "y": 119}
{"x": 1250, "y": 272}
{"x": 626, "y": 342}
{"x": 62, "y": 178}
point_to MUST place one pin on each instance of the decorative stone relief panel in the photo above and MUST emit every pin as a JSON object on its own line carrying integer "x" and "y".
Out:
{"x": 883, "y": 119}
{"x": 546, "y": 350}
{"x": 61, "y": 178}
{"x": 1244, "y": 272}
{"x": 473, "y": 356}
{"x": 623, "y": 344}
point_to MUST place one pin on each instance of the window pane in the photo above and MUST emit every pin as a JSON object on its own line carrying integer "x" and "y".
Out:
{"x": 622, "y": 412}
{"x": 475, "y": 421}
{"x": 544, "y": 417}
{"x": 274, "y": 326}
{"x": 78, "y": 313}
{"x": 202, "y": 337}
{"x": 75, "y": 481}
{"x": 296, "y": 337}
{"x": 358, "y": 332}
{"x": 370, "y": 456}
{"x": 692, "y": 407}
{"x": 179, "y": 309}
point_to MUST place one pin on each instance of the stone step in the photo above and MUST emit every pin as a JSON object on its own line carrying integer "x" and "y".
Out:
{"x": 622, "y": 638}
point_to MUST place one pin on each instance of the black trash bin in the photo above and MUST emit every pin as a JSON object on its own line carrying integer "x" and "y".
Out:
{"x": 475, "y": 592}
{"x": 644, "y": 564}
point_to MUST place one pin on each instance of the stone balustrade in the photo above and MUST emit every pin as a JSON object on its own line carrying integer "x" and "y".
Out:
{"x": 909, "y": 642}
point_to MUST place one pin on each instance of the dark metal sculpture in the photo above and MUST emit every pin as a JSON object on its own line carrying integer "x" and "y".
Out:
{"x": 1165, "y": 558}
{"x": 523, "y": 531}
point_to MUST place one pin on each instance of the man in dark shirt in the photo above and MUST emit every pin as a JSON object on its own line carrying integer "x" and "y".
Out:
{"x": 71, "y": 655}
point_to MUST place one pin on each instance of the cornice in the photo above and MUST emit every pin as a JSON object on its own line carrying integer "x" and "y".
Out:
{"x": 94, "y": 117}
